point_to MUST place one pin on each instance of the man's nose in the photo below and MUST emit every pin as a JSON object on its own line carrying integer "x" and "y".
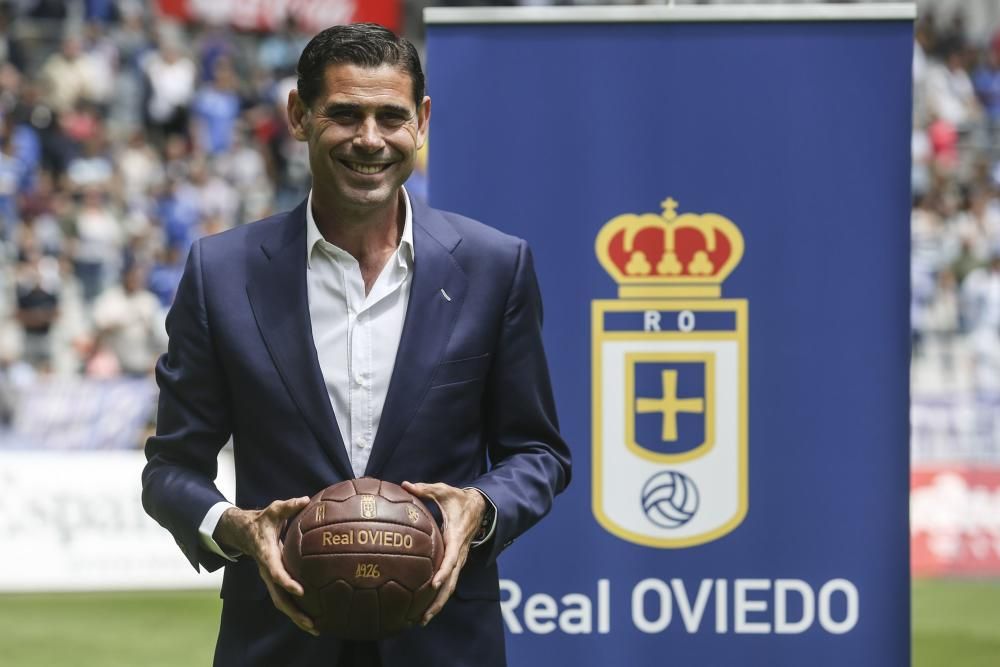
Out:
{"x": 368, "y": 137}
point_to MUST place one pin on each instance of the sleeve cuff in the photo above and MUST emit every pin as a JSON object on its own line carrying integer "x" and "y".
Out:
{"x": 206, "y": 530}
{"x": 490, "y": 518}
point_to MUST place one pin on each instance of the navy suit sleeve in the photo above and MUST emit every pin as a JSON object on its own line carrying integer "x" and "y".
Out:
{"x": 530, "y": 462}
{"x": 193, "y": 422}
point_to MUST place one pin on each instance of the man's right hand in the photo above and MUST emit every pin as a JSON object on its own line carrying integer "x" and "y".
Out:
{"x": 256, "y": 533}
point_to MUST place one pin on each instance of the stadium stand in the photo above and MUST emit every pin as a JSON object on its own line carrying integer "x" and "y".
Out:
{"x": 955, "y": 300}
{"x": 123, "y": 137}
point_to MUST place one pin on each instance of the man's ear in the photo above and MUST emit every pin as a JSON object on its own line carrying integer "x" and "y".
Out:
{"x": 297, "y": 115}
{"x": 423, "y": 121}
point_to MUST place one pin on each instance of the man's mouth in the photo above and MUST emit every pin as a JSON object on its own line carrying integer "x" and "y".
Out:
{"x": 362, "y": 168}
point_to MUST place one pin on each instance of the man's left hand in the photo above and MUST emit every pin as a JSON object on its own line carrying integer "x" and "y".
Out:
{"x": 462, "y": 511}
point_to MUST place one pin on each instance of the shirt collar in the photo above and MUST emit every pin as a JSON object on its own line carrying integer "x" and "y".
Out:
{"x": 404, "y": 253}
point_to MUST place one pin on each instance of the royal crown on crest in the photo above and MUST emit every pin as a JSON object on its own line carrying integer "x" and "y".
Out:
{"x": 671, "y": 254}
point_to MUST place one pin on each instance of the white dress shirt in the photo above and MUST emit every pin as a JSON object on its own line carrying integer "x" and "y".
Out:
{"x": 356, "y": 336}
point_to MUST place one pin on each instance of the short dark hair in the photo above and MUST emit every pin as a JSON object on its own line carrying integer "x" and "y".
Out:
{"x": 363, "y": 44}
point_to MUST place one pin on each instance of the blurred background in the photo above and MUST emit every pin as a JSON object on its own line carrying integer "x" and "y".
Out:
{"x": 129, "y": 129}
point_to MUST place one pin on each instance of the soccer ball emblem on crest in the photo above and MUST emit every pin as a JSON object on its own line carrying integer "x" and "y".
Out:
{"x": 669, "y": 499}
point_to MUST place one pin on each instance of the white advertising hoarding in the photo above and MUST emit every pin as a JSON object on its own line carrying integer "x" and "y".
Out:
{"x": 73, "y": 520}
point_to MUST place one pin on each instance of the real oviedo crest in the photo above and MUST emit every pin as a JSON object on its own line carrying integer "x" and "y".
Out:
{"x": 669, "y": 380}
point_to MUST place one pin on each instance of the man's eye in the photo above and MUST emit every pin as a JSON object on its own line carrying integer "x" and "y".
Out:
{"x": 342, "y": 116}
{"x": 393, "y": 119}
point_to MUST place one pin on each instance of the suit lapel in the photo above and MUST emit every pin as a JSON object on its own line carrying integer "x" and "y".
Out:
{"x": 277, "y": 291}
{"x": 430, "y": 319}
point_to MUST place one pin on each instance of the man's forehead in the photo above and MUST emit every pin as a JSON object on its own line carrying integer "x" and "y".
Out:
{"x": 348, "y": 79}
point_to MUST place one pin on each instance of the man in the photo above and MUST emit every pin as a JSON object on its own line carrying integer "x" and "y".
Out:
{"x": 361, "y": 334}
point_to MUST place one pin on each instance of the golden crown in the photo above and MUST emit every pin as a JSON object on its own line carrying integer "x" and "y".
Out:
{"x": 669, "y": 255}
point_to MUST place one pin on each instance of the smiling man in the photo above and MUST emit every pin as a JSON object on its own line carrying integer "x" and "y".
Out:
{"x": 362, "y": 333}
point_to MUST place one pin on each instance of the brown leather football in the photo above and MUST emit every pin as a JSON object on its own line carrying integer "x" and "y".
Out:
{"x": 364, "y": 551}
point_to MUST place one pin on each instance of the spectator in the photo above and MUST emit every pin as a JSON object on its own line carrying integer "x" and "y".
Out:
{"x": 13, "y": 174}
{"x": 11, "y": 50}
{"x": 132, "y": 43}
{"x": 216, "y": 108}
{"x": 165, "y": 275}
{"x": 92, "y": 168}
{"x": 979, "y": 224}
{"x": 921, "y": 159}
{"x": 7, "y": 400}
{"x": 965, "y": 262}
{"x": 98, "y": 244}
{"x": 981, "y": 290}
{"x": 100, "y": 11}
{"x": 951, "y": 94}
{"x": 943, "y": 137}
{"x": 177, "y": 210}
{"x": 981, "y": 293}
{"x": 214, "y": 197}
{"x": 942, "y": 318}
{"x": 54, "y": 146}
{"x": 38, "y": 285}
{"x": 215, "y": 43}
{"x": 127, "y": 318}
{"x": 279, "y": 52}
{"x": 140, "y": 167}
{"x": 245, "y": 166}
{"x": 171, "y": 77}
{"x": 987, "y": 85}
{"x": 68, "y": 76}
{"x": 101, "y": 57}
{"x": 40, "y": 224}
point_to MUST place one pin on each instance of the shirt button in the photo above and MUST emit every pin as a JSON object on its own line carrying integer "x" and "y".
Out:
{"x": 360, "y": 442}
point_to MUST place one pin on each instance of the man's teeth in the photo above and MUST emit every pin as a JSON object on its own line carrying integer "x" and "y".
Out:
{"x": 366, "y": 168}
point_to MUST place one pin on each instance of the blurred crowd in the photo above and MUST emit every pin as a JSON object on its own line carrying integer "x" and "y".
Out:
{"x": 955, "y": 301}
{"x": 122, "y": 140}
{"x": 125, "y": 136}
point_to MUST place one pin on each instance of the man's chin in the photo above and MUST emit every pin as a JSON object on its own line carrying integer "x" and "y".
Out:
{"x": 361, "y": 196}
{"x": 367, "y": 199}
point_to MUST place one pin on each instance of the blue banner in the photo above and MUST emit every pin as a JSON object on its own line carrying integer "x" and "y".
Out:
{"x": 719, "y": 213}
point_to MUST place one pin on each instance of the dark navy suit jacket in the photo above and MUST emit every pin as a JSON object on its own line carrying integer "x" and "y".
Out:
{"x": 469, "y": 404}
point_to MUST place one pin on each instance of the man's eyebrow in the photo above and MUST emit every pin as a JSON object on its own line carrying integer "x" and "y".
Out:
{"x": 340, "y": 107}
{"x": 336, "y": 107}
{"x": 396, "y": 109}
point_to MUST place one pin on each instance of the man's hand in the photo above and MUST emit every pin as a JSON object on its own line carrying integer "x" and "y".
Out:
{"x": 462, "y": 510}
{"x": 256, "y": 534}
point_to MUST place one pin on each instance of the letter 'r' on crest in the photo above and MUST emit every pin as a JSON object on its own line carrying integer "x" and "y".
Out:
{"x": 669, "y": 387}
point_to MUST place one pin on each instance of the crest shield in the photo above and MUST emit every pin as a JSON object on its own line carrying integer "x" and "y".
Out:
{"x": 669, "y": 382}
{"x": 368, "y": 510}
